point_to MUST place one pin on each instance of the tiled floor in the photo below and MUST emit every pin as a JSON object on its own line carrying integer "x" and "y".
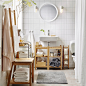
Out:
{"x": 69, "y": 75}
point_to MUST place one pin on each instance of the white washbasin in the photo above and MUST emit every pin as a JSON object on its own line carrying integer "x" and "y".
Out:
{"x": 48, "y": 38}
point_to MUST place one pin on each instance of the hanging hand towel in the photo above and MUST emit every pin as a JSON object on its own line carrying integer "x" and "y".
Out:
{"x": 8, "y": 55}
{"x": 33, "y": 42}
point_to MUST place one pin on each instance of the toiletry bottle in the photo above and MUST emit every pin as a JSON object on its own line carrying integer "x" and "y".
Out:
{"x": 20, "y": 39}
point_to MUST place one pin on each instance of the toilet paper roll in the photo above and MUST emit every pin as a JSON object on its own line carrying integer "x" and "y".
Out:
{"x": 65, "y": 51}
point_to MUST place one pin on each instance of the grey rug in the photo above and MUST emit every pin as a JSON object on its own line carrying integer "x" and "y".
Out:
{"x": 51, "y": 78}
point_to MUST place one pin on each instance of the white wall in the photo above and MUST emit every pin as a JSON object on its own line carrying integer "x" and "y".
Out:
{"x": 63, "y": 26}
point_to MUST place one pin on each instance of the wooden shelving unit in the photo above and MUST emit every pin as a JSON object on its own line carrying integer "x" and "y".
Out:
{"x": 36, "y": 56}
{"x": 55, "y": 56}
{"x": 57, "y": 48}
{"x": 41, "y": 56}
{"x": 64, "y": 57}
{"x": 48, "y": 57}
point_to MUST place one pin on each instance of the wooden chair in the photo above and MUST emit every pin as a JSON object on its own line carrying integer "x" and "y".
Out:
{"x": 20, "y": 61}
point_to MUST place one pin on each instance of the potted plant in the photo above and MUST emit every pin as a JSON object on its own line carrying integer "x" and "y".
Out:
{"x": 43, "y": 31}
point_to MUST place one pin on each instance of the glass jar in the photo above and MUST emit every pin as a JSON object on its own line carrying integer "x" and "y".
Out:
{"x": 51, "y": 53}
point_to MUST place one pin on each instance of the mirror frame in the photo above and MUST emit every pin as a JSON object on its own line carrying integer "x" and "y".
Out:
{"x": 53, "y": 6}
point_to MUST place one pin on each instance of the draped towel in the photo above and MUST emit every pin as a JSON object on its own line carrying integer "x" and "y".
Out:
{"x": 8, "y": 55}
{"x": 33, "y": 43}
{"x": 32, "y": 40}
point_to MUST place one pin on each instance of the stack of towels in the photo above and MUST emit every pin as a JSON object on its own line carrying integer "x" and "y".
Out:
{"x": 40, "y": 53}
{"x": 21, "y": 75}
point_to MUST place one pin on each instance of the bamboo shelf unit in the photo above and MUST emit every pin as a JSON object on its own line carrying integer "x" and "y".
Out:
{"x": 48, "y": 56}
{"x": 66, "y": 57}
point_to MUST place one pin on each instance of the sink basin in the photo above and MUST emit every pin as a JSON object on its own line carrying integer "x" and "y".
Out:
{"x": 48, "y": 38}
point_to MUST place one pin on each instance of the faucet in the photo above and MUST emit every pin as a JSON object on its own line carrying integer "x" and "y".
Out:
{"x": 48, "y": 32}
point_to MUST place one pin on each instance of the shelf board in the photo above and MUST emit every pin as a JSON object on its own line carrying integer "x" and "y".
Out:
{"x": 65, "y": 59}
{"x": 41, "y": 56}
{"x": 54, "y": 67}
{"x": 55, "y": 47}
{"x": 65, "y": 47}
{"x": 41, "y": 47}
{"x": 55, "y": 56}
{"x": 12, "y": 82}
{"x": 65, "y": 64}
{"x": 40, "y": 66}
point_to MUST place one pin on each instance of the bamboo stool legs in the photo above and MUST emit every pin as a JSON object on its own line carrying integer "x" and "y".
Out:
{"x": 33, "y": 71}
{"x": 30, "y": 76}
{"x": 10, "y": 75}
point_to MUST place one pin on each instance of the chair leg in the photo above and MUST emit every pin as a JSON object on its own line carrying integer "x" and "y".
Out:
{"x": 33, "y": 71}
{"x": 30, "y": 76}
{"x": 14, "y": 68}
{"x": 10, "y": 75}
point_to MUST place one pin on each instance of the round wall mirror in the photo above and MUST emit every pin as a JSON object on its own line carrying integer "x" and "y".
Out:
{"x": 48, "y": 12}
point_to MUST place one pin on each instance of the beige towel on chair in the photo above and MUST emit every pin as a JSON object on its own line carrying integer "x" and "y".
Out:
{"x": 8, "y": 55}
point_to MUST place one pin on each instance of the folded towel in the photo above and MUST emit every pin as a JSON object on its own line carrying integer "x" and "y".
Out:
{"x": 22, "y": 70}
{"x": 21, "y": 76}
{"x": 21, "y": 80}
{"x": 39, "y": 52}
{"x": 23, "y": 55}
{"x": 18, "y": 73}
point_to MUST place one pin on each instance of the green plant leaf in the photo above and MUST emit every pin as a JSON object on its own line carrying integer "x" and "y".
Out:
{"x": 33, "y": 2}
{"x": 27, "y": 2}
{"x": 7, "y": 2}
{"x": 42, "y": 30}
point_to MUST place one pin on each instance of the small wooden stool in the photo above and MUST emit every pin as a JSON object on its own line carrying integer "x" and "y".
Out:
{"x": 22, "y": 61}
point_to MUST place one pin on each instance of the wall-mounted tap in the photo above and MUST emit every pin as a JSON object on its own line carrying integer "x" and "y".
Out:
{"x": 48, "y": 32}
